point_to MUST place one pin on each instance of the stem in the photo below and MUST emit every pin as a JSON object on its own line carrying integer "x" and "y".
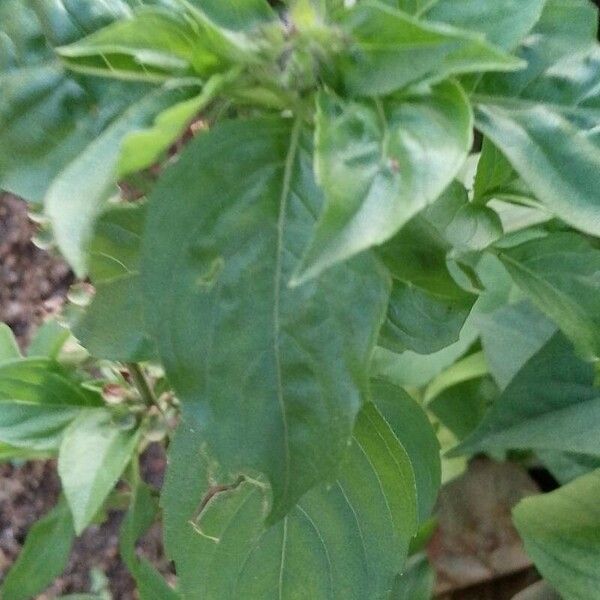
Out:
{"x": 142, "y": 385}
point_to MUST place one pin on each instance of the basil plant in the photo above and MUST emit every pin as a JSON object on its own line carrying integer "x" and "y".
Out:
{"x": 336, "y": 248}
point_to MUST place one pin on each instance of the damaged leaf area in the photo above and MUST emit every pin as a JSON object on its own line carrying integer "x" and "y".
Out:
{"x": 332, "y": 544}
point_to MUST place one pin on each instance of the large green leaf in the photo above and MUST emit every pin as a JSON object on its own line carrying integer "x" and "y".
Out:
{"x": 393, "y": 50}
{"x": 342, "y": 541}
{"x": 561, "y": 532}
{"x": 113, "y": 325}
{"x": 560, "y": 273}
{"x": 379, "y": 164}
{"x": 551, "y": 404}
{"x": 544, "y": 118}
{"x": 38, "y": 399}
{"x": 43, "y": 557}
{"x": 239, "y": 345}
{"x": 93, "y": 454}
{"x": 503, "y": 22}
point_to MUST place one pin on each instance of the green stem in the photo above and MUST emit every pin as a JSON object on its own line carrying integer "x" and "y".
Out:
{"x": 142, "y": 385}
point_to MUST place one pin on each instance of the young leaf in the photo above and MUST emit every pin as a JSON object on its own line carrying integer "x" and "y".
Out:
{"x": 38, "y": 399}
{"x": 239, "y": 345}
{"x": 113, "y": 325}
{"x": 393, "y": 50}
{"x": 379, "y": 164}
{"x": 551, "y": 404}
{"x": 141, "y": 149}
{"x": 152, "y": 45}
{"x": 43, "y": 557}
{"x": 93, "y": 454}
{"x": 496, "y": 178}
{"x": 343, "y": 541}
{"x": 561, "y": 533}
{"x": 560, "y": 275}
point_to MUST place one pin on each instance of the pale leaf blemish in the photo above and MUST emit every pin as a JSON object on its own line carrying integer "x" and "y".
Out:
{"x": 206, "y": 280}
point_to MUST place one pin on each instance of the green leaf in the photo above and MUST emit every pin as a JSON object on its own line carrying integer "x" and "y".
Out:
{"x": 78, "y": 193}
{"x": 496, "y": 178}
{"x": 113, "y": 325}
{"x": 380, "y": 163}
{"x": 236, "y": 15}
{"x": 47, "y": 117}
{"x": 140, "y": 516}
{"x": 462, "y": 406}
{"x": 48, "y": 340}
{"x": 567, "y": 466}
{"x": 411, "y": 426}
{"x": 38, "y": 400}
{"x": 543, "y": 119}
{"x": 466, "y": 369}
{"x": 559, "y": 273}
{"x": 93, "y": 454}
{"x": 410, "y": 368}
{"x": 503, "y": 22}
{"x": 239, "y": 345}
{"x": 9, "y": 453}
{"x": 561, "y": 533}
{"x": 152, "y": 45}
{"x": 35, "y": 569}
{"x": 418, "y": 321}
{"x": 418, "y": 253}
{"x": 393, "y": 50}
{"x": 9, "y": 349}
{"x": 417, "y": 581}
{"x": 347, "y": 540}
{"x": 141, "y": 149}
{"x": 510, "y": 336}
{"x": 551, "y": 404}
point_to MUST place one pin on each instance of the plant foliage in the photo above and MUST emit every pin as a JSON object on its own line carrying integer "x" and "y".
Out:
{"x": 316, "y": 240}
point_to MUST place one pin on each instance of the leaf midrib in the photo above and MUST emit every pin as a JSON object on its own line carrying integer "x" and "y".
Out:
{"x": 277, "y": 282}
